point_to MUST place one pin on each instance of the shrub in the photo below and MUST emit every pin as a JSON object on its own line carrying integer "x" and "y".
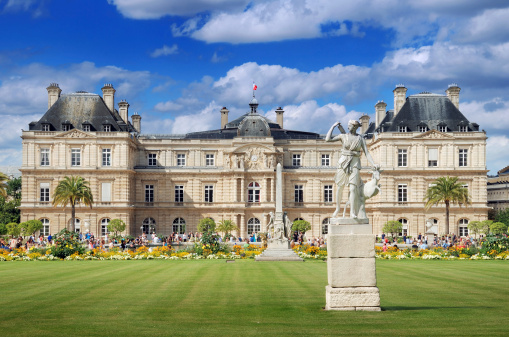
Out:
{"x": 66, "y": 244}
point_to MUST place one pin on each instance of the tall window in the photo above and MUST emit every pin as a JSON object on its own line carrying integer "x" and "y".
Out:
{"x": 253, "y": 226}
{"x": 296, "y": 160}
{"x": 432, "y": 157}
{"x": 105, "y": 192}
{"x": 152, "y": 159}
{"x": 77, "y": 225}
{"x": 44, "y": 195}
{"x": 402, "y": 157}
{"x": 104, "y": 227}
{"x": 181, "y": 159}
{"x": 253, "y": 192}
{"x": 149, "y": 193}
{"x": 45, "y": 227}
{"x": 106, "y": 157}
{"x": 463, "y": 227}
{"x": 463, "y": 156}
{"x": 325, "y": 159}
{"x": 148, "y": 226}
{"x": 179, "y": 193}
{"x": 404, "y": 229}
{"x": 209, "y": 193}
{"x": 402, "y": 193}
{"x": 325, "y": 226}
{"x": 299, "y": 193}
{"x": 75, "y": 157}
{"x": 44, "y": 157}
{"x": 327, "y": 193}
{"x": 209, "y": 160}
{"x": 179, "y": 226}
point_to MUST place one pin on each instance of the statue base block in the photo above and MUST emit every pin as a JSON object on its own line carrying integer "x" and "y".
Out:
{"x": 351, "y": 266}
{"x": 278, "y": 250}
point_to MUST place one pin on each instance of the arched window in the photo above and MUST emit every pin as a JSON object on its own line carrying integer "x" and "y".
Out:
{"x": 77, "y": 225}
{"x": 404, "y": 229}
{"x": 179, "y": 226}
{"x": 325, "y": 226}
{"x": 253, "y": 192}
{"x": 149, "y": 226}
{"x": 104, "y": 226}
{"x": 45, "y": 227}
{"x": 296, "y": 219}
{"x": 253, "y": 226}
{"x": 463, "y": 227}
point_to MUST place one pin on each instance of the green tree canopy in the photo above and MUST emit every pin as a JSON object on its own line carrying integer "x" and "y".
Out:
{"x": 485, "y": 226}
{"x": 227, "y": 226}
{"x": 14, "y": 188}
{"x": 73, "y": 190}
{"x": 498, "y": 228}
{"x": 13, "y": 229}
{"x": 301, "y": 226}
{"x": 392, "y": 226}
{"x": 502, "y": 216}
{"x": 116, "y": 226}
{"x": 30, "y": 227}
{"x": 207, "y": 225}
{"x": 475, "y": 227}
{"x": 449, "y": 191}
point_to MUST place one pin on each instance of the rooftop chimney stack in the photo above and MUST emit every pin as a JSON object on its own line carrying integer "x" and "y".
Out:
{"x": 380, "y": 112}
{"x": 364, "y": 123}
{"x": 279, "y": 116}
{"x": 136, "y": 121}
{"x": 123, "y": 110}
{"x": 399, "y": 97}
{"x": 53, "y": 94}
{"x": 453, "y": 93}
{"x": 109, "y": 96}
{"x": 224, "y": 117}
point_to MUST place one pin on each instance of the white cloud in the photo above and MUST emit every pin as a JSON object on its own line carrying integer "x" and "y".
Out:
{"x": 165, "y": 51}
{"x": 490, "y": 26}
{"x": 497, "y": 148}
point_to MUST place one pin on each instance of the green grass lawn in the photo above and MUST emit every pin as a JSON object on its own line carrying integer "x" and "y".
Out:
{"x": 246, "y": 298}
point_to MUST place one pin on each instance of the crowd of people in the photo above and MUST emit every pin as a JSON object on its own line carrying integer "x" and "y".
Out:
{"x": 425, "y": 242}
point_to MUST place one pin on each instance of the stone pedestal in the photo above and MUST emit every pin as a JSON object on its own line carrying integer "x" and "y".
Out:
{"x": 351, "y": 267}
{"x": 278, "y": 250}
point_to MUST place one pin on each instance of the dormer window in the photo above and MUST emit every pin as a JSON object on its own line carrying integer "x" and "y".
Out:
{"x": 463, "y": 128}
{"x": 45, "y": 127}
{"x": 86, "y": 127}
{"x": 402, "y": 128}
{"x": 107, "y": 128}
{"x": 423, "y": 128}
{"x": 442, "y": 128}
{"x": 66, "y": 127}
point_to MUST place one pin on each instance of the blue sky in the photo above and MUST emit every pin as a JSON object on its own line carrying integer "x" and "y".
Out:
{"x": 178, "y": 62}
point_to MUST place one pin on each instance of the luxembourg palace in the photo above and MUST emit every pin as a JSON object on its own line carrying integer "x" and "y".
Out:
{"x": 167, "y": 183}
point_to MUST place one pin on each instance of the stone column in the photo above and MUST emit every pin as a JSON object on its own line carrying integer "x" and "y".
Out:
{"x": 243, "y": 229}
{"x": 351, "y": 266}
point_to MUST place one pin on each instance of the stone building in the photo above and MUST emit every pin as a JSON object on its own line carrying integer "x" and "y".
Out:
{"x": 498, "y": 190}
{"x": 167, "y": 183}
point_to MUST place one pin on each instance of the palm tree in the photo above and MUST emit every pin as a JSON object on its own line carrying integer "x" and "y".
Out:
{"x": 227, "y": 226}
{"x": 73, "y": 190}
{"x": 3, "y": 184}
{"x": 449, "y": 191}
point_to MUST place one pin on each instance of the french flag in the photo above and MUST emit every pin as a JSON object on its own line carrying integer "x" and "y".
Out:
{"x": 255, "y": 86}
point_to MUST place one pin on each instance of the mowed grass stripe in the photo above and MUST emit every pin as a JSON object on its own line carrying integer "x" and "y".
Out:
{"x": 214, "y": 298}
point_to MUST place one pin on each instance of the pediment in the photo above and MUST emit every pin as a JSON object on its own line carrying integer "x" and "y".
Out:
{"x": 251, "y": 147}
{"x": 74, "y": 133}
{"x": 433, "y": 134}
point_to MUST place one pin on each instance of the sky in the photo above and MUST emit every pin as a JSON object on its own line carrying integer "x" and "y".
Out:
{"x": 178, "y": 62}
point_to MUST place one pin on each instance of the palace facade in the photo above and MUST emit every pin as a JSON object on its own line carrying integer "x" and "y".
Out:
{"x": 167, "y": 183}
{"x": 498, "y": 190}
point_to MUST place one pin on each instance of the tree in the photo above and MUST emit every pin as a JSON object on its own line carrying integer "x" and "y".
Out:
{"x": 14, "y": 188}
{"x": 227, "y": 226}
{"x": 485, "y": 226}
{"x": 30, "y": 227}
{"x": 449, "y": 191}
{"x": 116, "y": 226}
{"x": 392, "y": 226}
{"x": 207, "y": 225}
{"x": 301, "y": 226}
{"x": 9, "y": 211}
{"x": 502, "y": 216}
{"x": 13, "y": 229}
{"x": 475, "y": 227}
{"x": 73, "y": 190}
{"x": 498, "y": 228}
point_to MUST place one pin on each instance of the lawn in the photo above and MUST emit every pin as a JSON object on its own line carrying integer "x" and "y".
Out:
{"x": 246, "y": 298}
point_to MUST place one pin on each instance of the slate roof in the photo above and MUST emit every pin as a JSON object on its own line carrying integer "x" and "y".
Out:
{"x": 78, "y": 109}
{"x": 426, "y": 109}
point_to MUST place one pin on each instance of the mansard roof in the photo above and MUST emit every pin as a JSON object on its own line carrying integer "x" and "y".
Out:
{"x": 428, "y": 109}
{"x": 78, "y": 109}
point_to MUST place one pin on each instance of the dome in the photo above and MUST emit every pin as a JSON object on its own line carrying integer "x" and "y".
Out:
{"x": 254, "y": 125}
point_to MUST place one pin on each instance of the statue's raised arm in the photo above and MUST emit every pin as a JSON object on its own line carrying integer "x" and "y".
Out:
{"x": 329, "y": 134}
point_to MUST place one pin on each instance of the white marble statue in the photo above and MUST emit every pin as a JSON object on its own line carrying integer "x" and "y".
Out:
{"x": 349, "y": 167}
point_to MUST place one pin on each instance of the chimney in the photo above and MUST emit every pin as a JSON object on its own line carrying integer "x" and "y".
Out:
{"x": 364, "y": 123}
{"x": 224, "y": 117}
{"x": 279, "y": 116}
{"x": 109, "y": 96}
{"x": 380, "y": 112}
{"x": 53, "y": 94}
{"x": 453, "y": 93}
{"x": 399, "y": 97}
{"x": 136, "y": 121}
{"x": 123, "y": 110}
